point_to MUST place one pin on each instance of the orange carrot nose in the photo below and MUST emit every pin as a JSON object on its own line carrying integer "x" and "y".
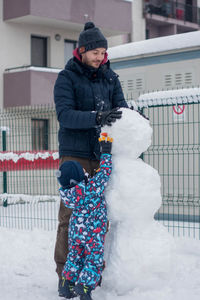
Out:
{"x": 104, "y": 134}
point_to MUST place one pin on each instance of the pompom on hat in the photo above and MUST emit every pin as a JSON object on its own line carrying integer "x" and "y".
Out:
{"x": 70, "y": 173}
{"x": 91, "y": 38}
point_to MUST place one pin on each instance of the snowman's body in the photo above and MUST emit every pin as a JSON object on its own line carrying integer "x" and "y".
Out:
{"x": 138, "y": 248}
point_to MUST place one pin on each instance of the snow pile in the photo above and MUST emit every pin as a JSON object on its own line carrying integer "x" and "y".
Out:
{"x": 28, "y": 270}
{"x": 132, "y": 136}
{"x": 135, "y": 238}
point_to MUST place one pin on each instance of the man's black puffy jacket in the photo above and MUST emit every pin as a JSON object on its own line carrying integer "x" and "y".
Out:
{"x": 80, "y": 91}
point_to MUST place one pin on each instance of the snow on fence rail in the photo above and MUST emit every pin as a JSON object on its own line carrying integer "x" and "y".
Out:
{"x": 30, "y": 156}
{"x": 29, "y": 172}
{"x": 170, "y": 97}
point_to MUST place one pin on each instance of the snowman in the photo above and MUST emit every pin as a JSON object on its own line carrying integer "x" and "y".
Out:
{"x": 138, "y": 248}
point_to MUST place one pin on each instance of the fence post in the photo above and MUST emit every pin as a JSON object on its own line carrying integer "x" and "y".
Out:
{"x": 141, "y": 110}
{"x": 5, "y": 201}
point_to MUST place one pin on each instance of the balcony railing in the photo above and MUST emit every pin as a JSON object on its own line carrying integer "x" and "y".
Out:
{"x": 173, "y": 9}
{"x": 28, "y": 86}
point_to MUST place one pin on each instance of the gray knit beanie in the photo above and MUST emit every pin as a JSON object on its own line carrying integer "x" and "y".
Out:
{"x": 91, "y": 38}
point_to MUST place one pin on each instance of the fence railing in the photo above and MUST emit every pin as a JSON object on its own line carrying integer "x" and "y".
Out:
{"x": 29, "y": 212}
{"x": 29, "y": 189}
{"x": 28, "y": 159}
{"x": 29, "y": 156}
{"x": 175, "y": 153}
{"x": 172, "y": 9}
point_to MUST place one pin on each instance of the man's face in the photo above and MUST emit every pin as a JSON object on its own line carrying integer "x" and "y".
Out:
{"x": 94, "y": 57}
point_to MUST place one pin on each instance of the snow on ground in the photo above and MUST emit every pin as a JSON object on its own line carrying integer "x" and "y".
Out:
{"x": 28, "y": 270}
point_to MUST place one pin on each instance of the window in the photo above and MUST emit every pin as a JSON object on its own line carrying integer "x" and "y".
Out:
{"x": 38, "y": 51}
{"x": 39, "y": 129}
{"x": 147, "y": 34}
{"x": 69, "y": 47}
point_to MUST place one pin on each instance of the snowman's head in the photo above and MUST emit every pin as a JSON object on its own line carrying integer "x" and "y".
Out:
{"x": 131, "y": 134}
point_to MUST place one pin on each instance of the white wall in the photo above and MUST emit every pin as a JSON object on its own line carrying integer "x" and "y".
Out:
{"x": 138, "y": 21}
{"x": 18, "y": 40}
{"x": 139, "y": 80}
{"x": 15, "y": 50}
{"x": 118, "y": 40}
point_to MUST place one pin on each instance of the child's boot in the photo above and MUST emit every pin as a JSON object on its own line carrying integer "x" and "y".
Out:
{"x": 83, "y": 291}
{"x": 66, "y": 288}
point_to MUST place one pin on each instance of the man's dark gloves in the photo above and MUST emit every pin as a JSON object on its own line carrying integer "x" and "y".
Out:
{"x": 105, "y": 143}
{"x": 108, "y": 117}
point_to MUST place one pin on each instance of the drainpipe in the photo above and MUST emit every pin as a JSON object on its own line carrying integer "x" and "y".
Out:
{"x": 5, "y": 200}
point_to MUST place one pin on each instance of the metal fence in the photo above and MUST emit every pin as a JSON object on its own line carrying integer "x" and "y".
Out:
{"x": 29, "y": 157}
{"x": 29, "y": 189}
{"x": 174, "y": 152}
{"x": 29, "y": 146}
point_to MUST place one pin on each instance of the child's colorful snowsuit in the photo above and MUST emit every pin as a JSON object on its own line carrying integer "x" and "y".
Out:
{"x": 88, "y": 224}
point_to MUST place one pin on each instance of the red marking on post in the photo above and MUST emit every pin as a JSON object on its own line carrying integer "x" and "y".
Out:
{"x": 179, "y": 109}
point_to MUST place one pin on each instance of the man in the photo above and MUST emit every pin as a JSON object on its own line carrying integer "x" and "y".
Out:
{"x": 87, "y": 96}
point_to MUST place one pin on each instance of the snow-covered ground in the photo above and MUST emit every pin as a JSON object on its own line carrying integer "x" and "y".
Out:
{"x": 27, "y": 270}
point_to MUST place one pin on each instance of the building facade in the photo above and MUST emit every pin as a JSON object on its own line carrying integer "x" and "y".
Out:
{"x": 38, "y": 37}
{"x": 155, "y": 18}
{"x": 164, "y": 63}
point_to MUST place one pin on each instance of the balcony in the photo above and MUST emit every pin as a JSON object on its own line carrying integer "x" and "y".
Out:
{"x": 172, "y": 9}
{"x": 29, "y": 86}
{"x": 114, "y": 17}
{"x": 167, "y": 17}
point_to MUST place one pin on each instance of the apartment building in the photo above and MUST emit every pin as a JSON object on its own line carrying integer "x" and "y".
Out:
{"x": 155, "y": 18}
{"x": 38, "y": 37}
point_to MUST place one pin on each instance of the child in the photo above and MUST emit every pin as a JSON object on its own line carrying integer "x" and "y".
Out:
{"x": 88, "y": 224}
